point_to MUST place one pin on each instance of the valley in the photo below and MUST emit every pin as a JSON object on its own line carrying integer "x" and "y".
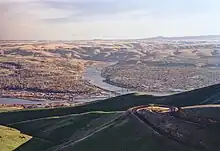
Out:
{"x": 110, "y": 95}
{"x": 66, "y": 70}
{"x": 109, "y": 75}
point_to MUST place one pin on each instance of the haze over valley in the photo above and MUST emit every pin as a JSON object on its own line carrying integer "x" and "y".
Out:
{"x": 109, "y": 75}
{"x": 57, "y": 68}
{"x": 70, "y": 95}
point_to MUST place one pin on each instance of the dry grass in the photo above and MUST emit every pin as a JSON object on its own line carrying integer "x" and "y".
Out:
{"x": 6, "y": 109}
{"x": 11, "y": 138}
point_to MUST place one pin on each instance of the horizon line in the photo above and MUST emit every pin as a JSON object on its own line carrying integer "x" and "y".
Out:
{"x": 107, "y": 39}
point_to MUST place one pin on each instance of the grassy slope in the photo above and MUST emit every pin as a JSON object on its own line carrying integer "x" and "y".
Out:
{"x": 207, "y": 111}
{"x": 10, "y": 138}
{"x": 120, "y": 103}
{"x": 207, "y": 95}
{"x": 126, "y": 134}
{"x": 55, "y": 128}
{"x": 210, "y": 133}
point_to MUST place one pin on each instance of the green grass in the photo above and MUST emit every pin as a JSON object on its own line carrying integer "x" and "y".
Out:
{"x": 126, "y": 134}
{"x": 211, "y": 131}
{"x": 57, "y": 130}
{"x": 11, "y": 138}
{"x": 120, "y": 103}
{"x": 104, "y": 125}
{"x": 194, "y": 97}
{"x": 35, "y": 144}
{"x": 211, "y": 112}
{"x": 103, "y": 131}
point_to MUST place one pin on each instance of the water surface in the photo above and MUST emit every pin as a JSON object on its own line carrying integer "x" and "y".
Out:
{"x": 18, "y": 101}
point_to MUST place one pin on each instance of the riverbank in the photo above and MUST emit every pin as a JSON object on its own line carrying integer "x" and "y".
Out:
{"x": 94, "y": 75}
{"x": 39, "y": 78}
{"x": 146, "y": 78}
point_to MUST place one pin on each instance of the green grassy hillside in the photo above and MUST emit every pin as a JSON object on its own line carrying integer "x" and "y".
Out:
{"x": 57, "y": 130}
{"x": 107, "y": 125}
{"x": 208, "y": 95}
{"x": 126, "y": 134}
{"x": 97, "y": 131}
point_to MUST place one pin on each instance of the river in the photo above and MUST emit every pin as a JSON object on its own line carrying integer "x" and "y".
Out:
{"x": 19, "y": 101}
{"x": 93, "y": 75}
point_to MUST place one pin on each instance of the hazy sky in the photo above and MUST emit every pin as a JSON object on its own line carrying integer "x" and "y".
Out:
{"x": 89, "y": 19}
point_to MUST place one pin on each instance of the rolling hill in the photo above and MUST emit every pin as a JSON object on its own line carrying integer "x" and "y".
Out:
{"x": 182, "y": 122}
{"x": 202, "y": 37}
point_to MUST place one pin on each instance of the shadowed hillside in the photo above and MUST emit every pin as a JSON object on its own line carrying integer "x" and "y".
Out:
{"x": 112, "y": 125}
{"x": 207, "y": 95}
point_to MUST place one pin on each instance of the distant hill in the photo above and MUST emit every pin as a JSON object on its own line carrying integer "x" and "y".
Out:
{"x": 114, "y": 124}
{"x": 203, "y": 37}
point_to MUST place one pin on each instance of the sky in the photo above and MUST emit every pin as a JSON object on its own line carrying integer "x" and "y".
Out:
{"x": 107, "y": 19}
